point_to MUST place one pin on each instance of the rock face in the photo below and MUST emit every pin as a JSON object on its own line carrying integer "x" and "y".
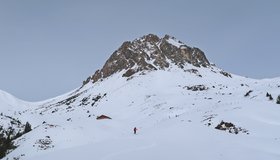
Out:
{"x": 150, "y": 53}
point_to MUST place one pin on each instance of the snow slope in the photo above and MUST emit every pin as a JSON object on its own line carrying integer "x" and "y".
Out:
{"x": 173, "y": 122}
{"x": 183, "y": 107}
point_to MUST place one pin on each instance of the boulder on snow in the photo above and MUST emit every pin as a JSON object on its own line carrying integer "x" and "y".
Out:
{"x": 102, "y": 117}
{"x": 231, "y": 128}
{"x": 226, "y": 74}
{"x": 248, "y": 93}
{"x": 196, "y": 88}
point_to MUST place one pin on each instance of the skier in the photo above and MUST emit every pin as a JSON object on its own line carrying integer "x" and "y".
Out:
{"x": 135, "y": 129}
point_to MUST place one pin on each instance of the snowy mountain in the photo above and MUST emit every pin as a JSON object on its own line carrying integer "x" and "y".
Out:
{"x": 183, "y": 106}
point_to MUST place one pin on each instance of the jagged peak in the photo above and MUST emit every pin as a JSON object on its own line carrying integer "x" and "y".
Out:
{"x": 150, "y": 52}
{"x": 173, "y": 41}
{"x": 149, "y": 38}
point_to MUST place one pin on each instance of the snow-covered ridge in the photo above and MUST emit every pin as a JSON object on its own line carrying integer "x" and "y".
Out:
{"x": 9, "y": 102}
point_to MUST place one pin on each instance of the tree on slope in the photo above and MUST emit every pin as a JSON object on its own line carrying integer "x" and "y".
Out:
{"x": 27, "y": 127}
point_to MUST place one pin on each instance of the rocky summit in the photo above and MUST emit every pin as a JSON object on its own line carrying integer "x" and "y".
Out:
{"x": 150, "y": 53}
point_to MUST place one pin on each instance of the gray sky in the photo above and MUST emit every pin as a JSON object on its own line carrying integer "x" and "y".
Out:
{"x": 48, "y": 47}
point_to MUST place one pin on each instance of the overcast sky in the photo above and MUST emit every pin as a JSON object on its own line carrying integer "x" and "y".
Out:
{"x": 48, "y": 47}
